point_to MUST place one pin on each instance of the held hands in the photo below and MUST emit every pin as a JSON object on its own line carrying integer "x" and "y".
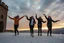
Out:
{"x": 44, "y": 14}
{"x": 25, "y": 15}
{"x": 36, "y": 14}
{"x": 8, "y": 15}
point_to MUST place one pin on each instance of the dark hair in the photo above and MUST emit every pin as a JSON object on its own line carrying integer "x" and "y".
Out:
{"x": 17, "y": 16}
{"x": 49, "y": 16}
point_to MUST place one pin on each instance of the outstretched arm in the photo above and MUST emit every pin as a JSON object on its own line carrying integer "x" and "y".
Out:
{"x": 11, "y": 18}
{"x": 55, "y": 21}
{"x": 43, "y": 21}
{"x": 45, "y": 16}
{"x": 21, "y": 17}
{"x": 27, "y": 18}
{"x": 36, "y": 17}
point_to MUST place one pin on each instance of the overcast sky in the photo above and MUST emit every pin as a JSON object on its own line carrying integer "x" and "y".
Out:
{"x": 54, "y": 8}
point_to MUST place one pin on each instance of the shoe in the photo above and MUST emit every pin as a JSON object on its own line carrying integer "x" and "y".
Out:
{"x": 40, "y": 34}
{"x": 17, "y": 33}
{"x": 14, "y": 35}
{"x": 47, "y": 34}
{"x": 50, "y": 35}
{"x": 32, "y": 35}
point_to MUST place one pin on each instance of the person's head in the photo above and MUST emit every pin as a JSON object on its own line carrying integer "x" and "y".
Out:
{"x": 49, "y": 16}
{"x": 43, "y": 14}
{"x": 17, "y": 16}
{"x": 31, "y": 17}
{"x": 40, "y": 17}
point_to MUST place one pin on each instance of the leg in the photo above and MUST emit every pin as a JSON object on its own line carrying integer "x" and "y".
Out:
{"x": 15, "y": 29}
{"x": 38, "y": 30}
{"x": 17, "y": 32}
{"x": 50, "y": 31}
{"x": 32, "y": 31}
{"x": 41, "y": 32}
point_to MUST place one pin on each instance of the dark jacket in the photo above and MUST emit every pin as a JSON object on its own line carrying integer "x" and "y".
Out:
{"x": 49, "y": 21}
{"x": 40, "y": 20}
{"x": 30, "y": 21}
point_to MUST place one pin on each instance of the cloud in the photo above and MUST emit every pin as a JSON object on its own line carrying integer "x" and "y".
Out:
{"x": 54, "y": 8}
{"x": 62, "y": 1}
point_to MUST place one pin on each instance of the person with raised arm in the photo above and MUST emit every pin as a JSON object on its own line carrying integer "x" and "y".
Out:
{"x": 49, "y": 24}
{"x": 16, "y": 23}
{"x": 31, "y": 24}
{"x": 40, "y": 20}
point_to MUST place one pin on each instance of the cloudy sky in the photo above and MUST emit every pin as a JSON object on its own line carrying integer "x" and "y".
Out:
{"x": 54, "y": 8}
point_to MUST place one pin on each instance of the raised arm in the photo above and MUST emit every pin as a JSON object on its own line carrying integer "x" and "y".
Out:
{"x": 45, "y": 16}
{"x": 36, "y": 17}
{"x": 11, "y": 18}
{"x": 55, "y": 21}
{"x": 21, "y": 17}
{"x": 34, "y": 21}
{"x": 27, "y": 18}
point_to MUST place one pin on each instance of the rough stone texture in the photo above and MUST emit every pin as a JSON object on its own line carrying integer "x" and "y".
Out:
{"x": 3, "y": 16}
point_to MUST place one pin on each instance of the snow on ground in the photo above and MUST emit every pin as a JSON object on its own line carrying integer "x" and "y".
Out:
{"x": 26, "y": 38}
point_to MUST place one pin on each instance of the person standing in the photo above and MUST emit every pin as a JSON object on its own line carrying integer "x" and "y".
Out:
{"x": 49, "y": 24}
{"x": 40, "y": 20}
{"x": 31, "y": 24}
{"x": 16, "y": 23}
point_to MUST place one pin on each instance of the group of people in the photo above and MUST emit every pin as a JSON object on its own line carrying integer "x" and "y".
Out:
{"x": 32, "y": 23}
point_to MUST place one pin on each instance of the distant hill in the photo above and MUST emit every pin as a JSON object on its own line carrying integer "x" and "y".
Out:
{"x": 56, "y": 31}
{"x": 59, "y": 31}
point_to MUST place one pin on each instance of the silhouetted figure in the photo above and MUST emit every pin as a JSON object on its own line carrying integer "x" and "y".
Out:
{"x": 16, "y": 23}
{"x": 31, "y": 25}
{"x": 49, "y": 24}
{"x": 40, "y": 20}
